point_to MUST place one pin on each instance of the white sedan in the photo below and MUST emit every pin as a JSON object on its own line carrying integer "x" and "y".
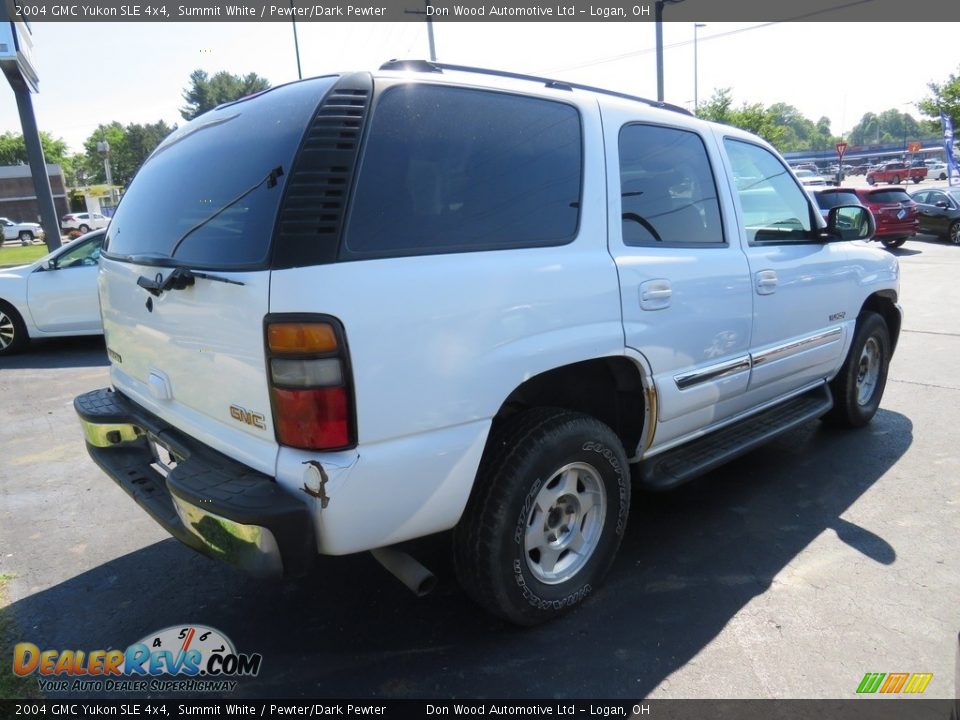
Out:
{"x": 809, "y": 178}
{"x": 53, "y": 296}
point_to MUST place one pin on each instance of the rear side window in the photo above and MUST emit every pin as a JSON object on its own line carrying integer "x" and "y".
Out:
{"x": 889, "y": 196}
{"x": 452, "y": 169}
{"x": 667, "y": 191}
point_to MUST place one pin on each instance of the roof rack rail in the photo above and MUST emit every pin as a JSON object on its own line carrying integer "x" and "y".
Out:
{"x": 435, "y": 67}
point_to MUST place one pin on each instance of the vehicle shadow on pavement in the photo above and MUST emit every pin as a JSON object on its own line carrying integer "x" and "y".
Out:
{"x": 691, "y": 560}
{"x": 67, "y": 352}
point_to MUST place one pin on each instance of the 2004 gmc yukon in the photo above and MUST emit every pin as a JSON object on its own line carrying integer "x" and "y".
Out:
{"x": 430, "y": 297}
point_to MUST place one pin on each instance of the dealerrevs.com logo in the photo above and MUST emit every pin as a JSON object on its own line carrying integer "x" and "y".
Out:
{"x": 180, "y": 658}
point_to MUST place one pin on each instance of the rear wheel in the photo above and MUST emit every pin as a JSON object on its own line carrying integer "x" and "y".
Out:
{"x": 13, "y": 333}
{"x": 84, "y": 229}
{"x": 546, "y": 517}
{"x": 953, "y": 234}
{"x": 893, "y": 242}
{"x": 26, "y": 237}
{"x": 896, "y": 179}
{"x": 916, "y": 179}
{"x": 858, "y": 387}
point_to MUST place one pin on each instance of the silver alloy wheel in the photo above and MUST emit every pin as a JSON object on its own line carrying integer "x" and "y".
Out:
{"x": 565, "y": 523}
{"x": 955, "y": 233}
{"x": 868, "y": 371}
{"x": 7, "y": 330}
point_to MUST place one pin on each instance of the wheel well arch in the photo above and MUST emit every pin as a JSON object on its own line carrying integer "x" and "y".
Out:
{"x": 610, "y": 389}
{"x": 884, "y": 303}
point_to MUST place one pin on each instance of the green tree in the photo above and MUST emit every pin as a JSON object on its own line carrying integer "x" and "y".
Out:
{"x": 717, "y": 108}
{"x": 130, "y": 146}
{"x": 13, "y": 151}
{"x": 887, "y": 127}
{"x": 205, "y": 92}
{"x": 943, "y": 96}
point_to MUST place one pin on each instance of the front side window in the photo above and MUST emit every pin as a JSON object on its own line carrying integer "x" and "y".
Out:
{"x": 668, "y": 195}
{"x": 84, "y": 253}
{"x": 774, "y": 207}
{"x": 454, "y": 169}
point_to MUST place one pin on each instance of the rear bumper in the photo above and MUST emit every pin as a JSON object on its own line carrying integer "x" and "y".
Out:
{"x": 208, "y": 501}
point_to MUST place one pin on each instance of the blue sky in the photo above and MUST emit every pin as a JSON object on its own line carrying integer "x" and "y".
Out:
{"x": 134, "y": 72}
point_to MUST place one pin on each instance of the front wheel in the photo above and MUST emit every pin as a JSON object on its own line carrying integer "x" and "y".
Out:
{"x": 916, "y": 179}
{"x": 893, "y": 242}
{"x": 84, "y": 229}
{"x": 953, "y": 233}
{"x": 858, "y": 387}
{"x": 26, "y": 237}
{"x": 896, "y": 179}
{"x": 546, "y": 516}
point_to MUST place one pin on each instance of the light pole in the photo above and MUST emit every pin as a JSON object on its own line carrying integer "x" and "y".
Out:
{"x": 696, "y": 67}
{"x": 658, "y": 21}
{"x": 103, "y": 147}
{"x": 296, "y": 41}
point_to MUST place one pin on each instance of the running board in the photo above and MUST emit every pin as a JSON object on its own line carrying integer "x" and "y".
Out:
{"x": 699, "y": 456}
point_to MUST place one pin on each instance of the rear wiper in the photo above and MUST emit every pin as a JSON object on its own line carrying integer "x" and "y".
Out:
{"x": 180, "y": 279}
{"x": 270, "y": 180}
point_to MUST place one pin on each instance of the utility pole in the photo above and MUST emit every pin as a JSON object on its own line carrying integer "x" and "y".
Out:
{"x": 428, "y": 11}
{"x": 296, "y": 42}
{"x": 658, "y": 21}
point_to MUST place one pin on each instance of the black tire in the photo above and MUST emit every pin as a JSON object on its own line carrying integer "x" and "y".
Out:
{"x": 870, "y": 181}
{"x": 26, "y": 237}
{"x": 893, "y": 242}
{"x": 13, "y": 333}
{"x": 916, "y": 179}
{"x": 84, "y": 229}
{"x": 542, "y": 457}
{"x": 953, "y": 233}
{"x": 896, "y": 179}
{"x": 858, "y": 387}
{"x": 942, "y": 176}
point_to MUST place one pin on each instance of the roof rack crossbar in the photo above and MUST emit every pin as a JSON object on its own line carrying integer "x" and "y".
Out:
{"x": 427, "y": 66}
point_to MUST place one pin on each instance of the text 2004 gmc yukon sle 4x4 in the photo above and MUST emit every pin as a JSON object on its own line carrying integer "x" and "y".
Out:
{"x": 395, "y": 303}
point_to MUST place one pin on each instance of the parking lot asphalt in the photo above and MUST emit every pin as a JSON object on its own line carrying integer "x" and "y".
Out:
{"x": 788, "y": 573}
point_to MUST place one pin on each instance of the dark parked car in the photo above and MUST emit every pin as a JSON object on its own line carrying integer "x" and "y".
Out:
{"x": 894, "y": 211}
{"x": 828, "y": 198}
{"x": 939, "y": 213}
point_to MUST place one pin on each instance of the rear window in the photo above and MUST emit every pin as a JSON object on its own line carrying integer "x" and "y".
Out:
{"x": 221, "y": 161}
{"x": 889, "y": 196}
{"x": 830, "y": 200}
{"x": 453, "y": 169}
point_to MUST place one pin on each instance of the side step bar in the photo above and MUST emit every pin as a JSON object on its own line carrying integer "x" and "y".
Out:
{"x": 697, "y": 457}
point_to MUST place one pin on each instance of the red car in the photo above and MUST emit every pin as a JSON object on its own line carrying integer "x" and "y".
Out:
{"x": 895, "y": 213}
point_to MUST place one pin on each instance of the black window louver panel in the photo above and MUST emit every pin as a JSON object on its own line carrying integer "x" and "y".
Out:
{"x": 311, "y": 215}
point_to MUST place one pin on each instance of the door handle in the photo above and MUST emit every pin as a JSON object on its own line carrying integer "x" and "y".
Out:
{"x": 655, "y": 294}
{"x": 766, "y": 282}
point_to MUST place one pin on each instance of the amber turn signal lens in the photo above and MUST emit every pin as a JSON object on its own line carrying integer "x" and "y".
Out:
{"x": 301, "y": 338}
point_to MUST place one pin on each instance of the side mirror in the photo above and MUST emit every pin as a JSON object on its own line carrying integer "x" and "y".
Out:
{"x": 52, "y": 264}
{"x": 850, "y": 222}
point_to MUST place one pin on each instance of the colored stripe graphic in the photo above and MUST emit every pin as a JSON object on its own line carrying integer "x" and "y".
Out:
{"x": 894, "y": 683}
{"x": 918, "y": 682}
{"x": 870, "y": 683}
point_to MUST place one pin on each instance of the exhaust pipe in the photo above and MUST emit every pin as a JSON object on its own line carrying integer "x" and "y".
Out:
{"x": 407, "y": 570}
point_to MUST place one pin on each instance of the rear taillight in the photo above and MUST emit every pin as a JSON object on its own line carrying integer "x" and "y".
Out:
{"x": 308, "y": 366}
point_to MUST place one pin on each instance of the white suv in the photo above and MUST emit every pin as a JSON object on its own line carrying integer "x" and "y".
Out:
{"x": 364, "y": 308}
